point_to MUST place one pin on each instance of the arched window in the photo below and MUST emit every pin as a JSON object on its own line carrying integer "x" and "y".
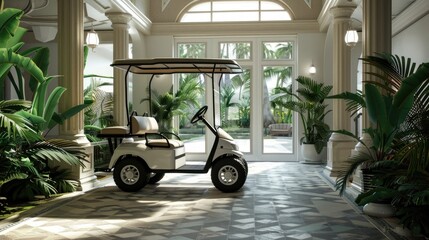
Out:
{"x": 236, "y": 11}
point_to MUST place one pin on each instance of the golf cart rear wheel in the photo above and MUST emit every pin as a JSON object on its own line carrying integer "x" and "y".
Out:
{"x": 130, "y": 174}
{"x": 228, "y": 174}
{"x": 155, "y": 177}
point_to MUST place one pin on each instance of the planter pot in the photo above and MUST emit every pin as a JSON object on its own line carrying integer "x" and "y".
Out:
{"x": 310, "y": 155}
{"x": 383, "y": 210}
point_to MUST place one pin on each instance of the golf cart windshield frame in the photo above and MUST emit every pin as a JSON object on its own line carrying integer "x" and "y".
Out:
{"x": 161, "y": 66}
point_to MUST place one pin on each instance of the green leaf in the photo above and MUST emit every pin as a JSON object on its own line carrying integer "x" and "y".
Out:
{"x": 39, "y": 99}
{"x": 51, "y": 105}
{"x": 34, "y": 119}
{"x": 15, "y": 123}
{"x": 403, "y": 99}
{"x": 8, "y": 56}
{"x": 41, "y": 58}
{"x": 354, "y": 101}
{"x": 5, "y": 67}
{"x": 85, "y": 55}
{"x": 9, "y": 23}
{"x": 61, "y": 117}
{"x": 376, "y": 107}
{"x": 377, "y": 195}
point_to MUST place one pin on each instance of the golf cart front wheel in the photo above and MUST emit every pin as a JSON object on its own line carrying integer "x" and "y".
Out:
{"x": 228, "y": 175}
{"x": 130, "y": 174}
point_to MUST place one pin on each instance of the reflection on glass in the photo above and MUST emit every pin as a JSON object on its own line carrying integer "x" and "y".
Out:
{"x": 240, "y": 50}
{"x": 277, "y": 121}
{"x": 277, "y": 50}
{"x": 235, "y": 107}
{"x": 191, "y": 50}
{"x": 190, "y": 97}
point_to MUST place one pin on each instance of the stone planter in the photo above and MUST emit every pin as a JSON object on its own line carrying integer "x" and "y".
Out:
{"x": 383, "y": 210}
{"x": 310, "y": 155}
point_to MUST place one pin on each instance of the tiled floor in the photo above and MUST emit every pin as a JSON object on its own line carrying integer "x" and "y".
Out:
{"x": 278, "y": 201}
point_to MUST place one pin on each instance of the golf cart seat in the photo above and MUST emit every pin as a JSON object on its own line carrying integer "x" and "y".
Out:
{"x": 147, "y": 127}
{"x": 140, "y": 126}
{"x": 115, "y": 131}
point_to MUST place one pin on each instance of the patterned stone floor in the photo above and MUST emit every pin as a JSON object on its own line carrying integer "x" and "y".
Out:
{"x": 278, "y": 201}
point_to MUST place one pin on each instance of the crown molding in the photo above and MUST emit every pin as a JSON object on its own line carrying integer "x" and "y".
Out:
{"x": 255, "y": 28}
{"x": 325, "y": 16}
{"x": 140, "y": 21}
{"x": 410, "y": 15}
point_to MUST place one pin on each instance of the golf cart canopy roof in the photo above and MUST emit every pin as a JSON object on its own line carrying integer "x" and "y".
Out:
{"x": 159, "y": 66}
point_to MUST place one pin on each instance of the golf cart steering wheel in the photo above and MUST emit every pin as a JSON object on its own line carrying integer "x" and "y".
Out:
{"x": 199, "y": 114}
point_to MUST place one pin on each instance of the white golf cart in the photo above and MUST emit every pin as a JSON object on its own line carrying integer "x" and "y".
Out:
{"x": 142, "y": 155}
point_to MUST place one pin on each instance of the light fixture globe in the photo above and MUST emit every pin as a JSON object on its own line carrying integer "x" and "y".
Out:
{"x": 92, "y": 39}
{"x": 351, "y": 38}
{"x": 312, "y": 69}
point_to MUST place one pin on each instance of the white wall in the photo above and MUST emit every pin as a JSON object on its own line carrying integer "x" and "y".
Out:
{"x": 98, "y": 62}
{"x": 311, "y": 47}
{"x": 413, "y": 41}
{"x": 151, "y": 47}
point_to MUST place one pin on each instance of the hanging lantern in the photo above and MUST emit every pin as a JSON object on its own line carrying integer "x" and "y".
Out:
{"x": 92, "y": 39}
{"x": 351, "y": 37}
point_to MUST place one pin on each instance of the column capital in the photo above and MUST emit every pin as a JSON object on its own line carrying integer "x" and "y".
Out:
{"x": 119, "y": 17}
{"x": 342, "y": 12}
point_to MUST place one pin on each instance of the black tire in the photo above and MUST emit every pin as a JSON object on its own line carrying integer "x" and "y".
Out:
{"x": 130, "y": 174}
{"x": 228, "y": 174}
{"x": 244, "y": 162}
{"x": 155, "y": 177}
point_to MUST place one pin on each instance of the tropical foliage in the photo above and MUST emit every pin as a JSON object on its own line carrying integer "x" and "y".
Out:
{"x": 309, "y": 103}
{"x": 230, "y": 101}
{"x": 98, "y": 115}
{"x": 166, "y": 106}
{"x": 398, "y": 109}
{"x": 26, "y": 157}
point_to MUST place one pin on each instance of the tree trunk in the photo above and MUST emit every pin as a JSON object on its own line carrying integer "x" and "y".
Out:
{"x": 268, "y": 117}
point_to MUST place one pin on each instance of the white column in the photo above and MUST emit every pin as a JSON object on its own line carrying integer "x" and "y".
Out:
{"x": 377, "y": 38}
{"x": 70, "y": 68}
{"x": 120, "y": 51}
{"x": 339, "y": 146}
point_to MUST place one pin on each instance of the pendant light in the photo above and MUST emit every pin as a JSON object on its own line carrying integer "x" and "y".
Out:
{"x": 92, "y": 39}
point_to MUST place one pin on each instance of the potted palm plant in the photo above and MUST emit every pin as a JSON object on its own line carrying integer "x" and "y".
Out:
{"x": 165, "y": 106}
{"x": 311, "y": 108}
{"x": 398, "y": 109}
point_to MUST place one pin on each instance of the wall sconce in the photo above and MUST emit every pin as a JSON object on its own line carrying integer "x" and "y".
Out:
{"x": 92, "y": 39}
{"x": 312, "y": 69}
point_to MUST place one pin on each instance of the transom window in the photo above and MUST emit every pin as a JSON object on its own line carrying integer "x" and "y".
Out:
{"x": 236, "y": 11}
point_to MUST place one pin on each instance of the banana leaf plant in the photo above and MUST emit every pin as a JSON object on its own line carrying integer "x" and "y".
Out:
{"x": 44, "y": 103}
{"x": 309, "y": 103}
{"x": 25, "y": 154}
